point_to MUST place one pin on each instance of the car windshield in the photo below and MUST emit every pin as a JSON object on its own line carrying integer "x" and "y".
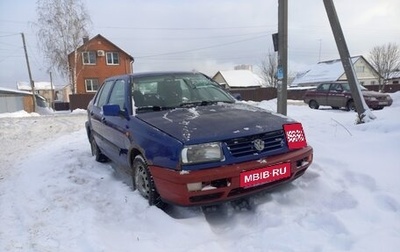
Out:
{"x": 167, "y": 91}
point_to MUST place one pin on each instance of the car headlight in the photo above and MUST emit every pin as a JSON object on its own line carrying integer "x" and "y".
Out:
{"x": 370, "y": 98}
{"x": 201, "y": 153}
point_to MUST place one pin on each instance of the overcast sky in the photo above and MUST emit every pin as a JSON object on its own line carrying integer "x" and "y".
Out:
{"x": 205, "y": 35}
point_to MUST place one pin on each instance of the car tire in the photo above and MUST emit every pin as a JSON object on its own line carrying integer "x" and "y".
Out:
{"x": 143, "y": 181}
{"x": 96, "y": 152}
{"x": 313, "y": 104}
{"x": 350, "y": 106}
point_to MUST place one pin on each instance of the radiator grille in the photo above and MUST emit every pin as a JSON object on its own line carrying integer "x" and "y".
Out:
{"x": 245, "y": 146}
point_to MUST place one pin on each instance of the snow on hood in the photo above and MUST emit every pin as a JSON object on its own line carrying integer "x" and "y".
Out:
{"x": 215, "y": 122}
{"x": 373, "y": 93}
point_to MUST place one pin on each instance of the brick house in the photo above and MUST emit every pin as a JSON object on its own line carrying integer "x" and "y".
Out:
{"x": 97, "y": 59}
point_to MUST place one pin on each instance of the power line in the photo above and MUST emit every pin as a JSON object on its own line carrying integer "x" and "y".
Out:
{"x": 9, "y": 35}
{"x": 184, "y": 28}
{"x": 200, "y": 48}
{"x": 194, "y": 38}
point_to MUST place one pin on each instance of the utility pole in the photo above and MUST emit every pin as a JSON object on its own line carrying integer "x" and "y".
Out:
{"x": 52, "y": 90}
{"x": 30, "y": 74}
{"x": 359, "y": 101}
{"x": 282, "y": 73}
{"x": 320, "y": 46}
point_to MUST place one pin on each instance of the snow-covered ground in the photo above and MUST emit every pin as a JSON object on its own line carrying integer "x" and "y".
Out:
{"x": 55, "y": 197}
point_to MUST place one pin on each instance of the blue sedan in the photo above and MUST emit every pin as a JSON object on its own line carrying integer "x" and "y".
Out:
{"x": 186, "y": 141}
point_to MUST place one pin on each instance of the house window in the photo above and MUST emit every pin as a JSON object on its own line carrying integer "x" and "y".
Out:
{"x": 360, "y": 69}
{"x": 89, "y": 58}
{"x": 91, "y": 85}
{"x": 112, "y": 58}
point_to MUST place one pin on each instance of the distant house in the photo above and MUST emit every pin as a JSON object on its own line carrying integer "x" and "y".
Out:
{"x": 96, "y": 60}
{"x": 42, "y": 88}
{"x": 237, "y": 79}
{"x": 333, "y": 70}
{"x": 394, "y": 78}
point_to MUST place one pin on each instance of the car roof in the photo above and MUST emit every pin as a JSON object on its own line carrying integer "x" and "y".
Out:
{"x": 333, "y": 82}
{"x": 153, "y": 74}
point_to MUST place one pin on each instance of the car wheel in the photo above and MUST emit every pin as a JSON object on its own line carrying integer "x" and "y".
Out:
{"x": 313, "y": 104}
{"x": 96, "y": 152}
{"x": 350, "y": 106}
{"x": 143, "y": 181}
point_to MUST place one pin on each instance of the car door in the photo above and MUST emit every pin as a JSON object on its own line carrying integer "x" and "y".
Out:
{"x": 336, "y": 96}
{"x": 116, "y": 127}
{"x": 322, "y": 92}
{"x": 96, "y": 115}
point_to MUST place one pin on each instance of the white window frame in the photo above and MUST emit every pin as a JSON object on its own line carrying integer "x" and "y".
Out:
{"x": 91, "y": 83}
{"x": 114, "y": 57}
{"x": 88, "y": 54}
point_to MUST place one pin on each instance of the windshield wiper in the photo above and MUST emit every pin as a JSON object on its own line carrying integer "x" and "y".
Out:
{"x": 196, "y": 103}
{"x": 152, "y": 108}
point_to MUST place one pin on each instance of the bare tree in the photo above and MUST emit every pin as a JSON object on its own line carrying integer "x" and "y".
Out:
{"x": 269, "y": 67}
{"x": 385, "y": 59}
{"x": 61, "y": 24}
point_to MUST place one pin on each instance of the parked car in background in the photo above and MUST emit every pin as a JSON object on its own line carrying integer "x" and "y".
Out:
{"x": 338, "y": 95}
{"x": 186, "y": 141}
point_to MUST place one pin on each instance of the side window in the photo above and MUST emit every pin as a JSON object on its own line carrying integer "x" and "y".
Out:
{"x": 324, "y": 87}
{"x": 117, "y": 95}
{"x": 105, "y": 90}
{"x": 336, "y": 87}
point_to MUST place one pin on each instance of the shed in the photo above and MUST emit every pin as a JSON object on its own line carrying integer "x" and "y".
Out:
{"x": 15, "y": 100}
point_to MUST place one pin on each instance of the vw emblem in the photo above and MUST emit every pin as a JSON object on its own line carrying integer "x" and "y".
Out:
{"x": 258, "y": 144}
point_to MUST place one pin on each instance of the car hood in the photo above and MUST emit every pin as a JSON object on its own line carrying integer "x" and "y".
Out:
{"x": 373, "y": 93}
{"x": 214, "y": 122}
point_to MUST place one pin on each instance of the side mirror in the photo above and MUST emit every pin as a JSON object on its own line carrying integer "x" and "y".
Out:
{"x": 111, "y": 110}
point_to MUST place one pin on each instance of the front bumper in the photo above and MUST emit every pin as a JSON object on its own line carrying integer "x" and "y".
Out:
{"x": 223, "y": 183}
{"x": 379, "y": 103}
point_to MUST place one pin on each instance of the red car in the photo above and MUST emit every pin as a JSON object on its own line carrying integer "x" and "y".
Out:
{"x": 338, "y": 95}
